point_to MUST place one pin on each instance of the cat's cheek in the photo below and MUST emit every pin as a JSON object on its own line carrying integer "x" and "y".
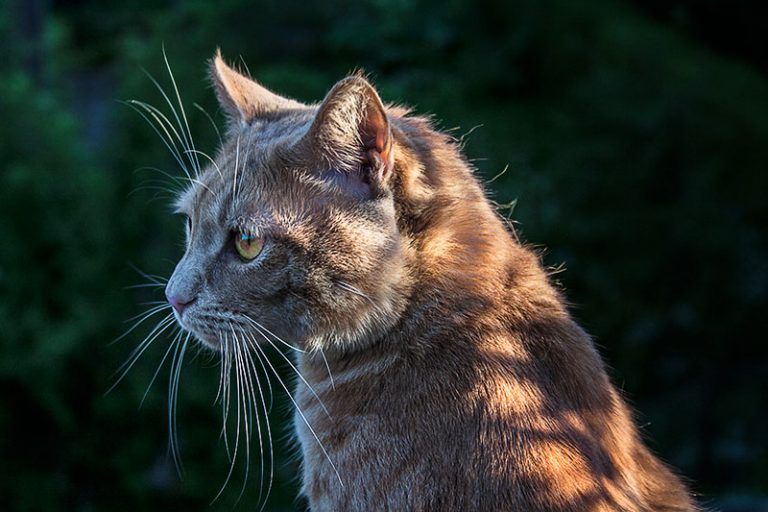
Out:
{"x": 293, "y": 320}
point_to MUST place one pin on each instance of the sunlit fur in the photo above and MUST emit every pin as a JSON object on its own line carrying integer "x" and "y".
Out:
{"x": 438, "y": 367}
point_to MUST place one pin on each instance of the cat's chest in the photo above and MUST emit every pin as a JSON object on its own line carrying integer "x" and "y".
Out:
{"x": 349, "y": 439}
{"x": 337, "y": 451}
{"x": 345, "y": 426}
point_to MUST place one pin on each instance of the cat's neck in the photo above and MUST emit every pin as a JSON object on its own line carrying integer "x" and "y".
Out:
{"x": 464, "y": 270}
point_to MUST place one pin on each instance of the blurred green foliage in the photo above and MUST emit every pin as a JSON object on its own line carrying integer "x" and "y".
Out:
{"x": 638, "y": 157}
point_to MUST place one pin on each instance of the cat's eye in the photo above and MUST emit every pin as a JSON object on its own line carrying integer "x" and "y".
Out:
{"x": 248, "y": 246}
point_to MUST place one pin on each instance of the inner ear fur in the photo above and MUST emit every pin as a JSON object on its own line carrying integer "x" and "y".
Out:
{"x": 352, "y": 130}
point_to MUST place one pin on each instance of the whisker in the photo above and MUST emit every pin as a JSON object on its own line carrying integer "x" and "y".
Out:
{"x": 165, "y": 136}
{"x": 173, "y": 393}
{"x": 216, "y": 128}
{"x": 143, "y": 317}
{"x": 311, "y": 389}
{"x": 222, "y": 354}
{"x": 300, "y": 412}
{"x": 267, "y": 409}
{"x": 143, "y": 285}
{"x": 156, "y": 303}
{"x": 172, "y": 188}
{"x": 278, "y": 338}
{"x": 164, "y": 122}
{"x": 167, "y": 126}
{"x": 266, "y": 375}
{"x": 154, "y": 278}
{"x": 138, "y": 351}
{"x": 247, "y": 408}
{"x": 346, "y": 286}
{"x": 237, "y": 426}
{"x": 164, "y": 194}
{"x": 166, "y": 319}
{"x": 191, "y": 144}
{"x": 255, "y": 373}
{"x": 268, "y": 430}
{"x": 183, "y": 140}
{"x": 224, "y": 378}
{"x": 211, "y": 160}
{"x": 244, "y": 163}
{"x": 327, "y": 367}
{"x": 178, "y": 179}
{"x": 237, "y": 162}
{"x": 176, "y": 339}
{"x": 195, "y": 181}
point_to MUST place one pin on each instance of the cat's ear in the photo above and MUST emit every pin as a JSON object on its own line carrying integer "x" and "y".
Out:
{"x": 352, "y": 132}
{"x": 242, "y": 98}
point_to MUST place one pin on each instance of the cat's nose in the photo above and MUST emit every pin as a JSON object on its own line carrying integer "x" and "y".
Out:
{"x": 179, "y": 303}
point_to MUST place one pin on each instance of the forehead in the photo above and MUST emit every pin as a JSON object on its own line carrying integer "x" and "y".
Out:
{"x": 257, "y": 161}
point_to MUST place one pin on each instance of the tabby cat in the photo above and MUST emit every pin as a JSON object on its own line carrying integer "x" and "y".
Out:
{"x": 441, "y": 370}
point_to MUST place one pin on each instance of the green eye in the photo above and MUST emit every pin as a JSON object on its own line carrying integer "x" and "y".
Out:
{"x": 248, "y": 246}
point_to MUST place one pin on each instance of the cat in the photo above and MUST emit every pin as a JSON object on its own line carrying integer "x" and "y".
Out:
{"x": 440, "y": 369}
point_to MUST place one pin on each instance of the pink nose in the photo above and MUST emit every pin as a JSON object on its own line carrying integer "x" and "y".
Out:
{"x": 179, "y": 304}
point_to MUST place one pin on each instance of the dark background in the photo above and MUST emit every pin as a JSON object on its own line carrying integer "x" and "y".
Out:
{"x": 635, "y": 137}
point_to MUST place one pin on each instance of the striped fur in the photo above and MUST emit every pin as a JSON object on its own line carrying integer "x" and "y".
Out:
{"x": 451, "y": 375}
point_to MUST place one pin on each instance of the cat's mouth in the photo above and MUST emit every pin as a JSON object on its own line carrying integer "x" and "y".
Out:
{"x": 203, "y": 329}
{"x": 210, "y": 341}
{"x": 218, "y": 329}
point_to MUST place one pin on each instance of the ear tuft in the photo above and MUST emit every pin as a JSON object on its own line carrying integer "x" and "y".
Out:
{"x": 241, "y": 97}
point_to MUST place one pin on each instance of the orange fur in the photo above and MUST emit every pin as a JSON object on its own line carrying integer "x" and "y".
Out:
{"x": 461, "y": 381}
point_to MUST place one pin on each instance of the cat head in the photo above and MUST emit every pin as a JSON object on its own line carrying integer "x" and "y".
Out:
{"x": 292, "y": 231}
